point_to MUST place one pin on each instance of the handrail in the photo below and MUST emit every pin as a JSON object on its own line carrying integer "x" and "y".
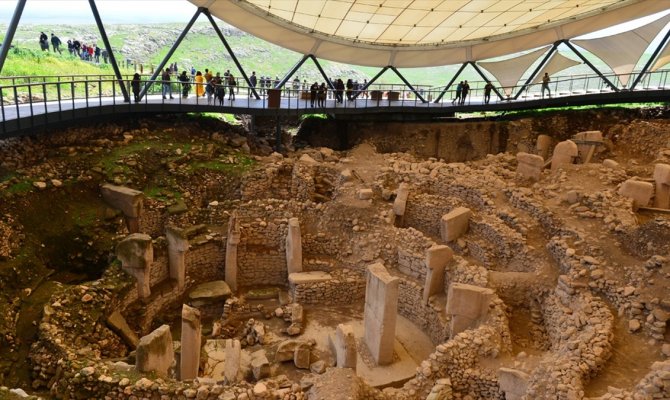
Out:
{"x": 66, "y": 98}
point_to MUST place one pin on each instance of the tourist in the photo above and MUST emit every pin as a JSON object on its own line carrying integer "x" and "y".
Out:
{"x": 350, "y": 89}
{"x": 208, "y": 75}
{"x": 459, "y": 89}
{"x": 97, "y": 54}
{"x": 44, "y": 42}
{"x": 209, "y": 90}
{"x": 135, "y": 85}
{"x": 313, "y": 90}
{"x": 55, "y": 42}
{"x": 70, "y": 47}
{"x": 545, "y": 84}
{"x": 185, "y": 84}
{"x": 167, "y": 86}
{"x": 487, "y": 92}
{"x": 77, "y": 47}
{"x": 232, "y": 83}
{"x": 105, "y": 56}
{"x": 465, "y": 91}
{"x": 199, "y": 87}
{"x": 322, "y": 95}
{"x": 339, "y": 91}
{"x": 252, "y": 81}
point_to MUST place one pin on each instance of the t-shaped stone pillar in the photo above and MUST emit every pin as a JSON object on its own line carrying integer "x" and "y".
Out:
{"x": 564, "y": 153}
{"x": 177, "y": 247}
{"x": 400, "y": 202}
{"x": 343, "y": 344}
{"x": 467, "y": 305}
{"x": 191, "y": 339}
{"x": 543, "y": 145}
{"x": 381, "y": 305}
{"x": 455, "y": 223}
{"x": 662, "y": 179}
{"x": 232, "y": 241}
{"x": 155, "y": 352}
{"x": 136, "y": 254}
{"x": 437, "y": 258}
{"x": 529, "y": 166}
{"x": 129, "y": 201}
{"x": 294, "y": 246}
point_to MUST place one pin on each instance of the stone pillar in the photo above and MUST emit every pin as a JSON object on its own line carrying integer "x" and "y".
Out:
{"x": 232, "y": 241}
{"x": 129, "y": 201}
{"x": 513, "y": 383}
{"x": 467, "y": 305}
{"x": 564, "y": 153}
{"x": 529, "y": 166}
{"x": 231, "y": 369}
{"x": 177, "y": 247}
{"x": 381, "y": 304}
{"x": 294, "y": 246}
{"x": 543, "y": 145}
{"x": 155, "y": 352}
{"x": 662, "y": 179}
{"x": 639, "y": 191}
{"x": 136, "y": 254}
{"x": 437, "y": 258}
{"x": 400, "y": 202}
{"x": 191, "y": 340}
{"x": 455, "y": 223}
{"x": 344, "y": 346}
{"x": 586, "y": 150}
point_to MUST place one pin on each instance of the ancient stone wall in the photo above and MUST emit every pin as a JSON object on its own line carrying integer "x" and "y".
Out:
{"x": 345, "y": 287}
{"x": 424, "y": 211}
{"x": 430, "y": 319}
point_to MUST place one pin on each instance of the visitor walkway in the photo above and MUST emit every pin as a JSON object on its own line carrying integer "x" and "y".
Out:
{"x": 62, "y": 100}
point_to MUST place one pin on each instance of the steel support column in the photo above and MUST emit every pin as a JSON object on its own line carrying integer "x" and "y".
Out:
{"x": 323, "y": 73}
{"x": 169, "y": 54}
{"x": 230, "y": 52}
{"x": 371, "y": 81}
{"x": 651, "y": 60}
{"x": 533, "y": 75}
{"x": 292, "y": 71}
{"x": 11, "y": 30}
{"x": 479, "y": 71}
{"x": 407, "y": 84}
{"x": 593, "y": 67}
{"x": 108, "y": 46}
{"x": 451, "y": 82}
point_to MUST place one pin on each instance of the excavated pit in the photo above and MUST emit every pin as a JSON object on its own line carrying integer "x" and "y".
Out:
{"x": 568, "y": 276}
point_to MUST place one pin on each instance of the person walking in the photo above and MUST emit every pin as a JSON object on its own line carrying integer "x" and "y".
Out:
{"x": 55, "y": 42}
{"x": 464, "y": 91}
{"x": 44, "y": 41}
{"x": 545, "y": 84}
{"x": 135, "y": 85}
{"x": 167, "y": 85}
{"x": 321, "y": 95}
{"x": 199, "y": 84}
{"x": 487, "y": 92}
{"x": 339, "y": 91}
{"x": 459, "y": 90}
{"x": 252, "y": 81}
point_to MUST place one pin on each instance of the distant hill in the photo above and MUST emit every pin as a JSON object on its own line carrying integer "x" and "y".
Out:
{"x": 147, "y": 44}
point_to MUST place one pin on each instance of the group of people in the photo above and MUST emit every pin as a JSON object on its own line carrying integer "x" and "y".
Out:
{"x": 74, "y": 47}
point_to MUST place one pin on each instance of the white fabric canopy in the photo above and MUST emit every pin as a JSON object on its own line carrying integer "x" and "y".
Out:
{"x": 422, "y": 33}
{"x": 558, "y": 63}
{"x": 663, "y": 58}
{"x": 508, "y": 72}
{"x": 622, "y": 51}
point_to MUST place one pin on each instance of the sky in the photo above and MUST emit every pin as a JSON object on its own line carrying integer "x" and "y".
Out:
{"x": 156, "y": 11}
{"x": 111, "y": 11}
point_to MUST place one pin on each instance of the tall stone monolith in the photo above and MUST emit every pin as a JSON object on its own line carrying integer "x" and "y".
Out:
{"x": 564, "y": 153}
{"x": 232, "y": 241}
{"x": 381, "y": 305}
{"x": 467, "y": 305}
{"x": 294, "y": 246}
{"x": 437, "y": 259}
{"x": 136, "y": 254}
{"x": 529, "y": 166}
{"x": 455, "y": 223}
{"x": 155, "y": 352}
{"x": 177, "y": 247}
{"x": 344, "y": 346}
{"x": 543, "y": 145}
{"x": 400, "y": 202}
{"x": 191, "y": 341}
{"x": 129, "y": 201}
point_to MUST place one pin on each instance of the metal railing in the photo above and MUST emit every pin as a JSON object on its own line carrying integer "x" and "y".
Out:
{"x": 62, "y": 98}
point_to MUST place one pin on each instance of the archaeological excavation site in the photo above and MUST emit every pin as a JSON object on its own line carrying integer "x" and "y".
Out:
{"x": 184, "y": 257}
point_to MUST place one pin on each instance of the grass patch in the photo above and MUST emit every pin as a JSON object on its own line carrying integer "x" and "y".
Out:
{"x": 20, "y": 188}
{"x": 313, "y": 116}
{"x": 161, "y": 193}
{"x": 240, "y": 165}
